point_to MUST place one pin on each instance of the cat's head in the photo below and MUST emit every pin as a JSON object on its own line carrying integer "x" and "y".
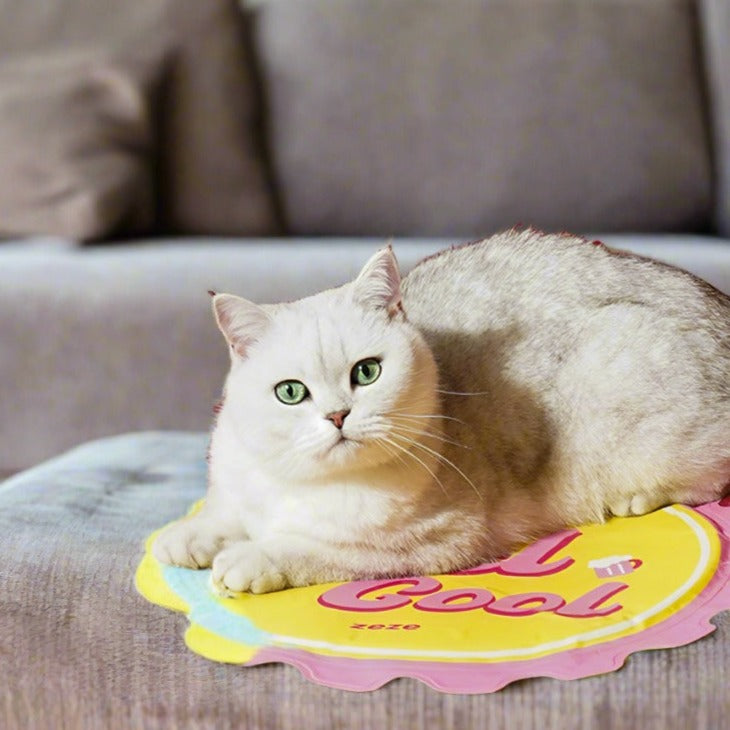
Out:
{"x": 335, "y": 382}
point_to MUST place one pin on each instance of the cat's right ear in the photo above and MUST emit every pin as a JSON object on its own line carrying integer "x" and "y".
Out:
{"x": 241, "y": 322}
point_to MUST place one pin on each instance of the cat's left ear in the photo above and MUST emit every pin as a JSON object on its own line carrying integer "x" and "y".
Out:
{"x": 378, "y": 284}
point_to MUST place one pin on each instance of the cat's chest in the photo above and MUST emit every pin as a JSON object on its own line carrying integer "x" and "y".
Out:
{"x": 336, "y": 512}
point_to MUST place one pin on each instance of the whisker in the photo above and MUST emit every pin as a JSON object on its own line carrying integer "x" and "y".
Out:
{"x": 419, "y": 371}
{"x": 419, "y": 460}
{"x": 373, "y": 459}
{"x": 462, "y": 392}
{"x": 380, "y": 442}
{"x": 402, "y": 413}
{"x": 428, "y": 434}
{"x": 309, "y": 442}
{"x": 442, "y": 458}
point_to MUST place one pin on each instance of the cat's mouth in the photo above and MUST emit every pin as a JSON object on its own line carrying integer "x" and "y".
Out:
{"x": 343, "y": 442}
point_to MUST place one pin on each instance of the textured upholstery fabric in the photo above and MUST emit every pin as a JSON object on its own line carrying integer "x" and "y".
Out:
{"x": 427, "y": 117}
{"x": 715, "y": 16}
{"x": 79, "y": 648}
{"x": 97, "y": 341}
{"x": 76, "y": 144}
{"x": 211, "y": 174}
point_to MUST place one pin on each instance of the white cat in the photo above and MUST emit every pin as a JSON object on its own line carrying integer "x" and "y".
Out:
{"x": 501, "y": 391}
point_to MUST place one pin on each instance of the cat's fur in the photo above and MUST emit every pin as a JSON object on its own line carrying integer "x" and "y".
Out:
{"x": 529, "y": 382}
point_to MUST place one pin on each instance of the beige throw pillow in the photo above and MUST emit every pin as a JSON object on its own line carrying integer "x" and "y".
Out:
{"x": 213, "y": 177}
{"x": 76, "y": 145}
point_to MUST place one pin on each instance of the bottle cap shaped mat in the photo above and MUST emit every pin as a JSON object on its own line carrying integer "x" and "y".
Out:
{"x": 570, "y": 605}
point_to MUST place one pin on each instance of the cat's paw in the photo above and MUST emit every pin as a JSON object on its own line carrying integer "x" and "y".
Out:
{"x": 189, "y": 543}
{"x": 634, "y": 505}
{"x": 243, "y": 566}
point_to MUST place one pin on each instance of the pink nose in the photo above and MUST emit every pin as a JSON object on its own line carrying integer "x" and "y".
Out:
{"x": 338, "y": 418}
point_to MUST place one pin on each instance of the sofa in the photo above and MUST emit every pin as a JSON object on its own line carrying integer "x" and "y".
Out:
{"x": 153, "y": 150}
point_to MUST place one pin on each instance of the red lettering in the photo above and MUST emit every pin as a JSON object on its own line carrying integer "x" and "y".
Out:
{"x": 371, "y": 595}
{"x": 480, "y": 569}
{"x": 532, "y": 560}
{"x": 452, "y": 600}
{"x": 524, "y": 604}
{"x": 353, "y": 596}
{"x": 588, "y": 606}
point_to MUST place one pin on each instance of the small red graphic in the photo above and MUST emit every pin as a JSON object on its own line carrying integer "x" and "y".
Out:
{"x": 615, "y": 565}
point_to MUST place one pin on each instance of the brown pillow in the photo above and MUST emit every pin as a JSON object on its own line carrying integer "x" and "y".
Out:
{"x": 76, "y": 145}
{"x": 212, "y": 175}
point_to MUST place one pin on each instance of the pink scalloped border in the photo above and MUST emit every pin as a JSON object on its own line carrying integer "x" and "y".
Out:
{"x": 687, "y": 625}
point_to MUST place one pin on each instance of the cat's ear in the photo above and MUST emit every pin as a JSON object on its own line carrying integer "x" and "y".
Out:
{"x": 378, "y": 284}
{"x": 241, "y": 322}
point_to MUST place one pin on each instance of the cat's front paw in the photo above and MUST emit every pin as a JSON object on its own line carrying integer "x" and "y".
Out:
{"x": 635, "y": 505}
{"x": 243, "y": 566}
{"x": 189, "y": 543}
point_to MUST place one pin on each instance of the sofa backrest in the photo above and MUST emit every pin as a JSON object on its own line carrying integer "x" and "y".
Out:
{"x": 459, "y": 117}
{"x": 384, "y": 117}
{"x": 715, "y": 33}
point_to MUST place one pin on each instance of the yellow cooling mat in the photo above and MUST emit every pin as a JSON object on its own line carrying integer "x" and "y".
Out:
{"x": 569, "y": 605}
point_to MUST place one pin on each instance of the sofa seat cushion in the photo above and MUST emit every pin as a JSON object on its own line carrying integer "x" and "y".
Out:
{"x": 80, "y": 648}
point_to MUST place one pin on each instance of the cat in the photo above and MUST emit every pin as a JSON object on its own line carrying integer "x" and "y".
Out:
{"x": 501, "y": 391}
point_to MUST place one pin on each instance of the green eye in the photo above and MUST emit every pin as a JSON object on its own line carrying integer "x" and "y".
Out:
{"x": 365, "y": 372}
{"x": 291, "y": 392}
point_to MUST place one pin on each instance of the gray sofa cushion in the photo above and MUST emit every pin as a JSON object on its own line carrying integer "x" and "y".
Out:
{"x": 79, "y": 648}
{"x": 462, "y": 117}
{"x": 211, "y": 173}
